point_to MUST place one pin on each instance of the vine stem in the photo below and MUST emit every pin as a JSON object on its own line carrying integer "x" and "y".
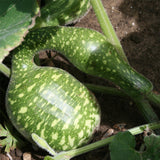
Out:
{"x": 107, "y": 27}
{"x": 5, "y": 70}
{"x": 105, "y": 90}
{"x": 76, "y": 152}
{"x": 152, "y": 97}
{"x": 108, "y": 30}
{"x": 143, "y": 105}
{"x": 146, "y": 110}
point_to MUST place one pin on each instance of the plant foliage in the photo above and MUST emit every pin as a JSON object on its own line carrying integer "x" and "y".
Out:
{"x": 123, "y": 147}
{"x": 6, "y": 139}
{"x": 16, "y": 18}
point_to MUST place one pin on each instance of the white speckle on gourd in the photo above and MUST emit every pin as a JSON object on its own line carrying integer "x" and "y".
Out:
{"x": 64, "y": 147}
{"x": 42, "y": 87}
{"x": 18, "y": 85}
{"x": 39, "y": 125}
{"x": 42, "y": 132}
{"x": 86, "y": 102}
{"x": 55, "y": 136}
{"x": 66, "y": 126}
{"x": 23, "y": 110}
{"x": 81, "y": 134}
{"x": 29, "y": 89}
{"x": 104, "y": 62}
{"x": 35, "y": 99}
{"x": 77, "y": 126}
{"x": 12, "y": 102}
{"x": 83, "y": 42}
{"x": 77, "y": 108}
{"x": 71, "y": 140}
{"x": 30, "y": 104}
{"x": 88, "y": 123}
{"x": 55, "y": 122}
{"x": 63, "y": 141}
{"x": 38, "y": 75}
{"x": 21, "y": 95}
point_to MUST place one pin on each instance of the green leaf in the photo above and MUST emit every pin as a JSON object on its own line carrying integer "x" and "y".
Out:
{"x": 123, "y": 147}
{"x": 6, "y": 139}
{"x": 62, "y": 12}
{"x": 153, "y": 147}
{"x": 42, "y": 143}
{"x": 16, "y": 17}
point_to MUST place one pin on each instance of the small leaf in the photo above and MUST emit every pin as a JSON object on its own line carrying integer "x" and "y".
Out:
{"x": 122, "y": 147}
{"x": 43, "y": 144}
{"x": 6, "y": 139}
{"x": 16, "y": 18}
{"x": 153, "y": 147}
{"x": 3, "y": 132}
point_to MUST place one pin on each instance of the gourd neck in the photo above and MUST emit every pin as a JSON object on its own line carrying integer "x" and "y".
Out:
{"x": 88, "y": 50}
{"x": 35, "y": 41}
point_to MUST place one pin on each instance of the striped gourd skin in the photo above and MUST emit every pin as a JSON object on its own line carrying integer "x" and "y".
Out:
{"x": 32, "y": 102}
{"x": 54, "y": 105}
{"x": 89, "y": 51}
{"x": 60, "y": 12}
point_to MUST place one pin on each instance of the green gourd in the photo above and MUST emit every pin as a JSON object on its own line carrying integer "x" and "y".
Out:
{"x": 62, "y": 12}
{"x": 89, "y": 51}
{"x": 50, "y": 102}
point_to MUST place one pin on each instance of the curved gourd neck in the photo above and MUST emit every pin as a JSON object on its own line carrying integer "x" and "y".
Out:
{"x": 88, "y": 50}
{"x": 35, "y": 41}
{"x": 77, "y": 44}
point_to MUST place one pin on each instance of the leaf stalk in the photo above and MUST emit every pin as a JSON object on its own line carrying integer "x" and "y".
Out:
{"x": 107, "y": 27}
{"x": 5, "y": 70}
{"x": 76, "y": 152}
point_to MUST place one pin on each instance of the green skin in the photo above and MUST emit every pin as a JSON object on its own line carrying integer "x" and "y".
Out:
{"x": 60, "y": 12}
{"x": 53, "y": 104}
{"x": 49, "y": 101}
{"x": 89, "y": 51}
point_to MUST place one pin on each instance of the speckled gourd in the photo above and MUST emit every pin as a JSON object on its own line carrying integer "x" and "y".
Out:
{"x": 50, "y": 102}
{"x": 89, "y": 51}
{"x": 62, "y": 12}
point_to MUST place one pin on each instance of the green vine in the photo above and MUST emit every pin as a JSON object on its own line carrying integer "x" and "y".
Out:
{"x": 5, "y": 70}
{"x": 107, "y": 27}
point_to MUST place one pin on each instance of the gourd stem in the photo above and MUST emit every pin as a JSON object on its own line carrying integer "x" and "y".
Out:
{"x": 146, "y": 110}
{"x": 154, "y": 98}
{"x": 142, "y": 104}
{"x": 4, "y": 69}
{"x": 105, "y": 90}
{"x": 134, "y": 131}
{"x": 107, "y": 27}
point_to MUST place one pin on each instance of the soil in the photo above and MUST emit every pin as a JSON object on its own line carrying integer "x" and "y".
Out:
{"x": 137, "y": 24}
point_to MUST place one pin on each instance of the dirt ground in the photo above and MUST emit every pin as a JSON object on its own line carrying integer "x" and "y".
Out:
{"x": 137, "y": 24}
